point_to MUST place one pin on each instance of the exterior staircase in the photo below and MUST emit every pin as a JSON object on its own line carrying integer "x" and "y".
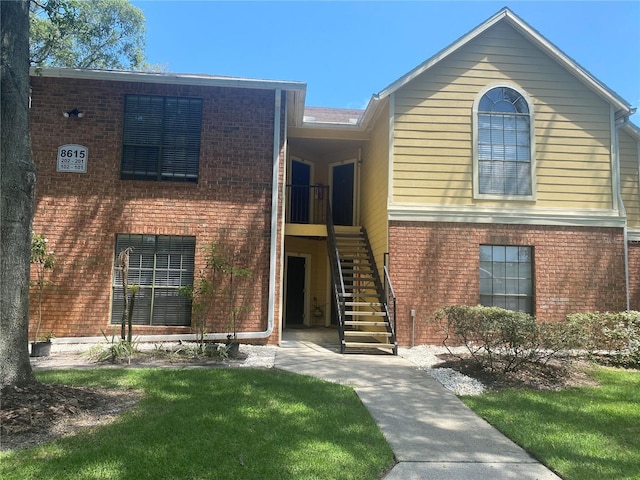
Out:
{"x": 364, "y": 319}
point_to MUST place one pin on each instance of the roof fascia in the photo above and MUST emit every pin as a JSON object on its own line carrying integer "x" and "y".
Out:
{"x": 328, "y": 132}
{"x": 545, "y": 45}
{"x": 166, "y": 78}
{"x": 298, "y": 89}
{"x": 633, "y": 130}
{"x": 371, "y": 112}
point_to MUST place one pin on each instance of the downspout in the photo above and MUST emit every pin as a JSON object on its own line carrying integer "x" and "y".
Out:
{"x": 619, "y": 123}
{"x": 273, "y": 248}
{"x": 358, "y": 194}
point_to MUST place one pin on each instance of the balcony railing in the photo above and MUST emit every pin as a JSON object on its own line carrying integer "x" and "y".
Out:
{"x": 307, "y": 204}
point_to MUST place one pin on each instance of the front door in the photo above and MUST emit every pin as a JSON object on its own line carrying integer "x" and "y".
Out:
{"x": 343, "y": 181}
{"x": 300, "y": 181}
{"x": 295, "y": 285}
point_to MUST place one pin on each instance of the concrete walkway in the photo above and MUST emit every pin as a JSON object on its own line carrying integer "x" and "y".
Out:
{"x": 432, "y": 433}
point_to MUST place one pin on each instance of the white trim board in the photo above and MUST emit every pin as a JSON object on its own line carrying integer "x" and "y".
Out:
{"x": 505, "y": 215}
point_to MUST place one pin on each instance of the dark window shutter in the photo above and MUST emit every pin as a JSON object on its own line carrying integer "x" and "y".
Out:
{"x": 159, "y": 265}
{"x": 161, "y": 139}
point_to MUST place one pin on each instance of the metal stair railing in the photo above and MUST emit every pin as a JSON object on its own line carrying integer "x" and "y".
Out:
{"x": 390, "y": 294}
{"x": 306, "y": 204}
{"x": 336, "y": 275}
{"x": 382, "y": 291}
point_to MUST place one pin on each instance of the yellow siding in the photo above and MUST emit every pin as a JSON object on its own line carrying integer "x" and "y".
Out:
{"x": 433, "y": 127}
{"x": 374, "y": 186}
{"x": 629, "y": 181}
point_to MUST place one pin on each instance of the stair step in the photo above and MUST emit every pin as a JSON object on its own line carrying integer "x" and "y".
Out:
{"x": 360, "y": 294}
{"x": 368, "y": 344}
{"x": 361, "y": 333}
{"x": 363, "y": 304}
{"x": 363, "y": 323}
{"x": 364, "y": 313}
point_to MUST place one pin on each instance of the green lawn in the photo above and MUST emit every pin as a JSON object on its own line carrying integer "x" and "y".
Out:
{"x": 214, "y": 424}
{"x": 581, "y": 433}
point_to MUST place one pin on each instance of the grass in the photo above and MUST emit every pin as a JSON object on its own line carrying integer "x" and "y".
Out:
{"x": 580, "y": 433}
{"x": 214, "y": 424}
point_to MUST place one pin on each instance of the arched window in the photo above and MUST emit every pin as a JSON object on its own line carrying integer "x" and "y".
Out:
{"x": 503, "y": 147}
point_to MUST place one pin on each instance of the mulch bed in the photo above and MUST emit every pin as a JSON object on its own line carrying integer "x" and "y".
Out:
{"x": 555, "y": 375}
{"x": 38, "y": 412}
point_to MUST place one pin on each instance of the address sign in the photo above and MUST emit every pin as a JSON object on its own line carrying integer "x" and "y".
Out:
{"x": 72, "y": 158}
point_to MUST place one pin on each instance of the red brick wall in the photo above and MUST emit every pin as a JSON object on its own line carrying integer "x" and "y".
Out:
{"x": 81, "y": 214}
{"x": 634, "y": 275}
{"x": 436, "y": 264}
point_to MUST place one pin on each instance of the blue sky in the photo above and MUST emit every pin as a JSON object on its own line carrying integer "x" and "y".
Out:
{"x": 346, "y": 51}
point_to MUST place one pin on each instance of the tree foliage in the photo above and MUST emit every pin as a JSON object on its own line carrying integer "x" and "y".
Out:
{"x": 87, "y": 34}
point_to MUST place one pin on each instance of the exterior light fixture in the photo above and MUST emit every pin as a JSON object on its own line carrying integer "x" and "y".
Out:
{"x": 73, "y": 113}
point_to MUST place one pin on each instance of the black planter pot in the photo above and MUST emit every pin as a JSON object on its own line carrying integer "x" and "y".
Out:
{"x": 40, "y": 349}
{"x": 232, "y": 349}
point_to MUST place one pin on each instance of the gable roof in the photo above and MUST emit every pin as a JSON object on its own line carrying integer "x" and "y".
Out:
{"x": 623, "y": 108}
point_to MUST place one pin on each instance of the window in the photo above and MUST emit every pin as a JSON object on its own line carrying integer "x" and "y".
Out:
{"x": 161, "y": 139}
{"x": 506, "y": 277}
{"x": 503, "y": 144}
{"x": 159, "y": 265}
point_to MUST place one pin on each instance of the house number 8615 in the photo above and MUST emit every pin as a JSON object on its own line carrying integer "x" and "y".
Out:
{"x": 72, "y": 153}
{"x": 72, "y": 158}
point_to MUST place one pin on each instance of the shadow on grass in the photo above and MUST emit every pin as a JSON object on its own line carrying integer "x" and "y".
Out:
{"x": 215, "y": 423}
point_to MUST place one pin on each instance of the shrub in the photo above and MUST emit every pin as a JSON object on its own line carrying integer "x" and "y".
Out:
{"x": 616, "y": 333}
{"x": 500, "y": 339}
{"x": 115, "y": 351}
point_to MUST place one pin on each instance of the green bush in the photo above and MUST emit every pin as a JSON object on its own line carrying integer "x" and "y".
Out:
{"x": 503, "y": 340}
{"x": 614, "y": 333}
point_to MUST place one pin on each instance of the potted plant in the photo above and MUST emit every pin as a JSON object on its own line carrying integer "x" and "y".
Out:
{"x": 43, "y": 262}
{"x": 42, "y": 348}
{"x": 232, "y": 347}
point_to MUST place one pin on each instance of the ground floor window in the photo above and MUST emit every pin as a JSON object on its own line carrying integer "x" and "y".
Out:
{"x": 159, "y": 265}
{"x": 506, "y": 277}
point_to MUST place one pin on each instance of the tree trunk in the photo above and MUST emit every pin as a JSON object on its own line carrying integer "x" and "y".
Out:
{"x": 17, "y": 186}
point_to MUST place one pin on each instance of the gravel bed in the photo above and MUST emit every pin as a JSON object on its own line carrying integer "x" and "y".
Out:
{"x": 425, "y": 358}
{"x": 258, "y": 355}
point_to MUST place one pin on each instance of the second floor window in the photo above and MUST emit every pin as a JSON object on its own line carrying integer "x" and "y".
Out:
{"x": 161, "y": 140}
{"x": 504, "y": 144}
